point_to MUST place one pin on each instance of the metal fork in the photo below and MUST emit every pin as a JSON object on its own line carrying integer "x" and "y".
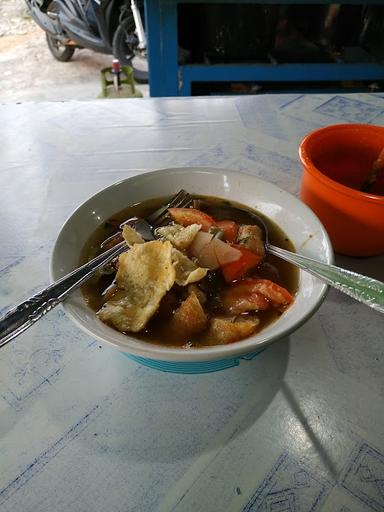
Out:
{"x": 30, "y": 311}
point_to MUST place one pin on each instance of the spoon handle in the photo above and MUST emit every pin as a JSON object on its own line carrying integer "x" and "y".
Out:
{"x": 362, "y": 288}
{"x": 30, "y": 311}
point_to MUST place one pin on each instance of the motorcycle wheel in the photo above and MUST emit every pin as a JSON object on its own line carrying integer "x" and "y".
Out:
{"x": 59, "y": 50}
{"x": 124, "y": 48}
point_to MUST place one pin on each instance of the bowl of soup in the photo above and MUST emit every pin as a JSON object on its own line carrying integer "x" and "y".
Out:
{"x": 203, "y": 295}
{"x": 337, "y": 161}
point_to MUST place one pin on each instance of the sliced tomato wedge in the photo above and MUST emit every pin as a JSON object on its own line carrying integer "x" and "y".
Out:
{"x": 237, "y": 269}
{"x": 255, "y": 295}
{"x": 230, "y": 229}
{"x": 279, "y": 296}
{"x": 239, "y": 299}
{"x": 188, "y": 216}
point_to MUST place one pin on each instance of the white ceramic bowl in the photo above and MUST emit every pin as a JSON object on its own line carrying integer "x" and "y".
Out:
{"x": 294, "y": 217}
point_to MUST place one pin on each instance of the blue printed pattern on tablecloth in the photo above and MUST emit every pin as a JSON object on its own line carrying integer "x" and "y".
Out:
{"x": 314, "y": 111}
{"x": 364, "y": 477}
{"x": 289, "y": 487}
{"x": 349, "y": 110}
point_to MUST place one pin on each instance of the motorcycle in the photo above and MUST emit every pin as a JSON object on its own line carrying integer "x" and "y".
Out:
{"x": 104, "y": 26}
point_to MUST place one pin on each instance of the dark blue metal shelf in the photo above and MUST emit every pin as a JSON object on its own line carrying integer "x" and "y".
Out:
{"x": 277, "y": 73}
{"x": 167, "y": 78}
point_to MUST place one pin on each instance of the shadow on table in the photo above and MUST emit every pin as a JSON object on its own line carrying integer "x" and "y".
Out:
{"x": 174, "y": 417}
{"x": 320, "y": 447}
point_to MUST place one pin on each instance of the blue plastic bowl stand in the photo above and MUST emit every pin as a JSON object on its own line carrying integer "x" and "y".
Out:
{"x": 193, "y": 367}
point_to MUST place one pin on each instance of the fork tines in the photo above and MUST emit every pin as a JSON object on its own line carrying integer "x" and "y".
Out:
{"x": 181, "y": 200}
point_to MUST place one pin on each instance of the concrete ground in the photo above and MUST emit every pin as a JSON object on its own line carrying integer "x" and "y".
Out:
{"x": 30, "y": 73}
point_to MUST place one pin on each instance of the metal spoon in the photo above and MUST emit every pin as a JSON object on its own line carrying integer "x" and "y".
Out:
{"x": 362, "y": 288}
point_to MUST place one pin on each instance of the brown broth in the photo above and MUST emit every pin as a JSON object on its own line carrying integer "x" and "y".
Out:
{"x": 156, "y": 330}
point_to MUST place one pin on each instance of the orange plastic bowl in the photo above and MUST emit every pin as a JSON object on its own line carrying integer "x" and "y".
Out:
{"x": 336, "y": 161}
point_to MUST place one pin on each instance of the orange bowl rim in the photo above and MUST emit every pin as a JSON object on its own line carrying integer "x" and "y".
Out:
{"x": 310, "y": 167}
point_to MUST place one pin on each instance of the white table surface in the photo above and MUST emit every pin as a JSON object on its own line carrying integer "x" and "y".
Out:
{"x": 82, "y": 428}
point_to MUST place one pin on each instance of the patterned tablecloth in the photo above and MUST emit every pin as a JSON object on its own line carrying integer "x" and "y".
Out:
{"x": 82, "y": 428}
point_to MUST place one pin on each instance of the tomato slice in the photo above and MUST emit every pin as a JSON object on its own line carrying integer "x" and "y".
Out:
{"x": 255, "y": 295}
{"x": 237, "y": 269}
{"x": 230, "y": 229}
{"x": 239, "y": 299}
{"x": 278, "y": 295}
{"x": 188, "y": 216}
